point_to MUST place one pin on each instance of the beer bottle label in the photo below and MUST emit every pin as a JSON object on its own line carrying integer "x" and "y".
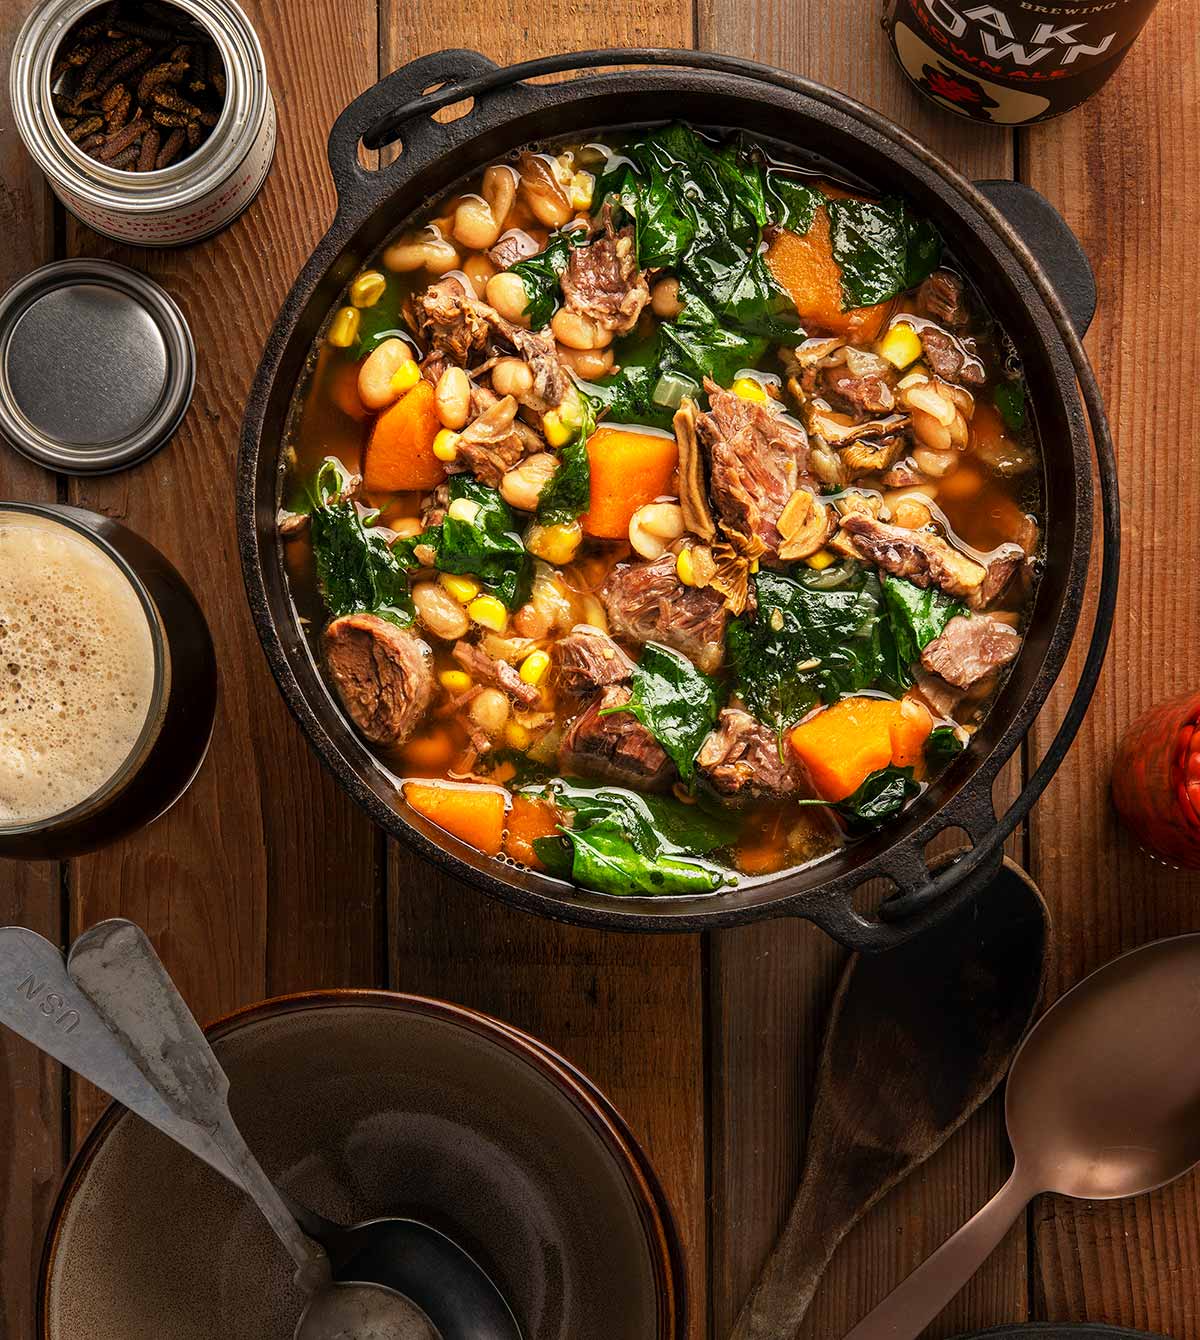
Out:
{"x": 1013, "y": 61}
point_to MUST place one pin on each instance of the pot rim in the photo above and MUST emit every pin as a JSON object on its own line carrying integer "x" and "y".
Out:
{"x": 898, "y": 857}
{"x": 663, "y": 1239}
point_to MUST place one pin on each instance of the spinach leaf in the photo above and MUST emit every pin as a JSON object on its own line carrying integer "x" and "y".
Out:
{"x": 565, "y": 495}
{"x": 792, "y": 204}
{"x": 487, "y": 546}
{"x": 378, "y": 323}
{"x": 621, "y": 842}
{"x": 540, "y": 275}
{"x": 676, "y": 703}
{"x": 881, "y": 248}
{"x": 943, "y": 745}
{"x": 884, "y": 793}
{"x": 358, "y": 571}
{"x": 602, "y": 858}
{"x": 804, "y": 645}
{"x": 699, "y": 210}
{"x": 916, "y": 617}
{"x": 1009, "y": 399}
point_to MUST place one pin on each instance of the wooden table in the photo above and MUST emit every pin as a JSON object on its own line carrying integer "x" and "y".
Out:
{"x": 266, "y": 879}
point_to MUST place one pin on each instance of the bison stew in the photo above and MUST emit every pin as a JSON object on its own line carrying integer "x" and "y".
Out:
{"x": 664, "y": 514}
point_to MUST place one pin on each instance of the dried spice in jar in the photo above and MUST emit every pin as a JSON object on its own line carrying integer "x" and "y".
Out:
{"x": 153, "y": 122}
{"x": 139, "y": 86}
{"x": 1156, "y": 782}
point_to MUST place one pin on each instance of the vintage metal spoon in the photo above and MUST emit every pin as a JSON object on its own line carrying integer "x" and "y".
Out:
{"x": 41, "y": 1002}
{"x": 918, "y": 1038}
{"x": 1103, "y": 1102}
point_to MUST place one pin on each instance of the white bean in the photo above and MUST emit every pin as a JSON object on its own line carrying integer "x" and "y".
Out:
{"x": 506, "y": 293}
{"x": 431, "y": 252}
{"x": 439, "y": 612}
{"x": 587, "y": 363}
{"x": 489, "y": 710}
{"x": 523, "y": 484}
{"x": 577, "y": 331}
{"x": 664, "y": 299}
{"x": 375, "y": 375}
{"x": 653, "y": 526}
{"x": 935, "y": 464}
{"x": 512, "y": 376}
{"x": 452, "y": 398}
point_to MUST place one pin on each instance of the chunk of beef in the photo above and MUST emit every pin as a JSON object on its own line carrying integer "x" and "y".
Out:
{"x": 903, "y": 475}
{"x": 459, "y": 326}
{"x": 490, "y": 446}
{"x": 615, "y": 748}
{"x": 477, "y": 662}
{"x": 920, "y": 557}
{"x": 943, "y": 298}
{"x": 602, "y": 280}
{"x": 740, "y": 760}
{"x": 861, "y": 395}
{"x": 454, "y": 322}
{"x": 757, "y": 460}
{"x": 383, "y": 675}
{"x": 939, "y": 696}
{"x": 1001, "y": 568}
{"x": 969, "y": 650}
{"x": 588, "y": 659}
{"x": 515, "y": 245}
{"x": 646, "y": 602}
{"x": 949, "y": 360}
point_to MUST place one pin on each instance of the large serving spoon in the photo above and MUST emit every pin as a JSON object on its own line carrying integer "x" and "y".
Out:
{"x": 918, "y": 1038}
{"x": 1103, "y": 1102}
{"x": 43, "y": 1004}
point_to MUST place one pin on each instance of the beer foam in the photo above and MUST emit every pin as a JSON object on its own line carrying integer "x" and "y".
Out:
{"x": 76, "y": 668}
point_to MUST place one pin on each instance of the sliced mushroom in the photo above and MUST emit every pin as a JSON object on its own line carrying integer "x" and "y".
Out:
{"x": 867, "y": 456}
{"x": 837, "y": 430}
{"x": 693, "y": 493}
{"x": 819, "y": 353}
{"x": 805, "y": 524}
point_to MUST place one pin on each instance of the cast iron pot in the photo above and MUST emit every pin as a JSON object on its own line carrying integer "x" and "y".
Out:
{"x": 1045, "y": 306}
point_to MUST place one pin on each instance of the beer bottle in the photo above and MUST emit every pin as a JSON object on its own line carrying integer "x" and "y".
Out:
{"x": 1012, "y": 62}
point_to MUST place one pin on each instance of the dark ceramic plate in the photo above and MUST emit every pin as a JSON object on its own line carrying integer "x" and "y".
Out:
{"x": 1060, "y": 1331}
{"x": 362, "y": 1104}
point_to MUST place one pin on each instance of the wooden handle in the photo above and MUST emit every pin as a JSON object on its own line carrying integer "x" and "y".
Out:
{"x": 788, "y": 1283}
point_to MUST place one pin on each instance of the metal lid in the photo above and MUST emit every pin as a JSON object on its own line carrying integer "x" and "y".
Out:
{"x": 97, "y": 366}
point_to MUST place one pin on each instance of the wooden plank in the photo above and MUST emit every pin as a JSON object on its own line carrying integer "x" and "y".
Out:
{"x": 627, "y": 1010}
{"x": 771, "y": 984}
{"x": 1121, "y": 169}
{"x": 31, "y": 1088}
{"x": 264, "y": 877}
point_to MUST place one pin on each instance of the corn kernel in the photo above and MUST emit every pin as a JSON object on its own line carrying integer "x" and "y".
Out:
{"x": 489, "y": 613}
{"x": 754, "y": 565}
{"x": 901, "y": 345}
{"x": 455, "y": 681}
{"x": 554, "y": 544}
{"x": 534, "y": 667}
{"x": 517, "y": 736}
{"x": 685, "y": 568}
{"x": 557, "y": 433}
{"x": 504, "y": 773}
{"x": 463, "y": 589}
{"x": 583, "y": 186}
{"x": 749, "y": 389}
{"x": 822, "y": 559}
{"x": 406, "y": 376}
{"x": 445, "y": 448}
{"x": 343, "y": 329}
{"x": 368, "y": 288}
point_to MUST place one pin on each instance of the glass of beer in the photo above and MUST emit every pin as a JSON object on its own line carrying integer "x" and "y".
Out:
{"x": 107, "y": 682}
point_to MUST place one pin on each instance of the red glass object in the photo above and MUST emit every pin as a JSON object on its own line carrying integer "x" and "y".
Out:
{"x": 1156, "y": 781}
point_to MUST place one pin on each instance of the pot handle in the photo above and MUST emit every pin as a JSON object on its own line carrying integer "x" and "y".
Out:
{"x": 1053, "y": 244}
{"x": 370, "y": 120}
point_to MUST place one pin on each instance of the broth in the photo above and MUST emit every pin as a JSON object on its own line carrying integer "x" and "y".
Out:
{"x": 745, "y": 618}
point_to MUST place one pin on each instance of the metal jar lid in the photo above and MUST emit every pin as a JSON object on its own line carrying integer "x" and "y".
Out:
{"x": 97, "y": 366}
